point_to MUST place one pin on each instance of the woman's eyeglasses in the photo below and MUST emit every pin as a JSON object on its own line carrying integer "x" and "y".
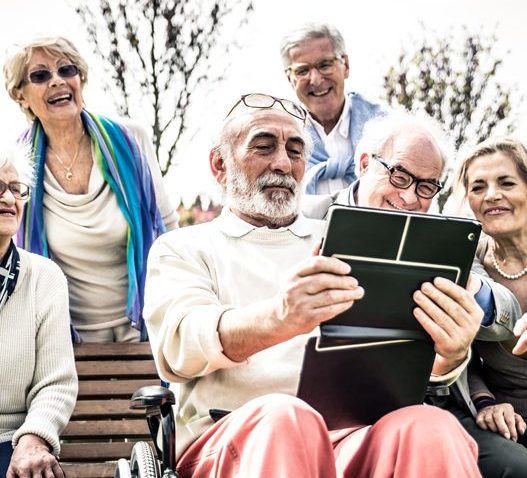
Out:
{"x": 260, "y": 100}
{"x": 401, "y": 179}
{"x": 42, "y": 76}
{"x": 18, "y": 190}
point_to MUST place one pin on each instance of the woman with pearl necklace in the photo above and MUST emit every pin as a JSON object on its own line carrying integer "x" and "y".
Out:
{"x": 494, "y": 179}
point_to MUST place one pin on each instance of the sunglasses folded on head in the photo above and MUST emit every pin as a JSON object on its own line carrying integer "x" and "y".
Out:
{"x": 263, "y": 101}
{"x": 43, "y": 75}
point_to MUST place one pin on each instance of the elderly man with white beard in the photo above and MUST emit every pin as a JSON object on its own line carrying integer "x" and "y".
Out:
{"x": 230, "y": 305}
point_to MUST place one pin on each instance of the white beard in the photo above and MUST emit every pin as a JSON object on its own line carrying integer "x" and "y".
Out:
{"x": 251, "y": 199}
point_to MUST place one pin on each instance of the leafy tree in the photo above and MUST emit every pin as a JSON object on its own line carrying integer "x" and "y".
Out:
{"x": 158, "y": 53}
{"x": 456, "y": 81}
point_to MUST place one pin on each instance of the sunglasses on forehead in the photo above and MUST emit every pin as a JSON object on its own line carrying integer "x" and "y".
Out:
{"x": 43, "y": 75}
{"x": 260, "y": 100}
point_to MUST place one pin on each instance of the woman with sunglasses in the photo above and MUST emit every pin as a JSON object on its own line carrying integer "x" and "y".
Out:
{"x": 98, "y": 202}
{"x": 38, "y": 383}
{"x": 493, "y": 177}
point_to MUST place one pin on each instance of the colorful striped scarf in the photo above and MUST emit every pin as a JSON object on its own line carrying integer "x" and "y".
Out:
{"x": 125, "y": 168}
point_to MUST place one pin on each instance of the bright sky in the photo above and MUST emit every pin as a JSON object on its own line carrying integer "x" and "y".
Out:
{"x": 374, "y": 30}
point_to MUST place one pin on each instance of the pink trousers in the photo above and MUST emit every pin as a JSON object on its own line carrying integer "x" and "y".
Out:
{"x": 280, "y": 436}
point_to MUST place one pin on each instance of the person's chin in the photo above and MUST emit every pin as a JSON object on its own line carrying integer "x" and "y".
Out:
{"x": 278, "y": 194}
{"x": 67, "y": 110}
{"x": 8, "y": 229}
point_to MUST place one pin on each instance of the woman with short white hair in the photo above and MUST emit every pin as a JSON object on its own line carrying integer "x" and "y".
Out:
{"x": 38, "y": 381}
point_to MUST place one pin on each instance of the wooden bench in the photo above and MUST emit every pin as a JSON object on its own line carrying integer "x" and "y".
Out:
{"x": 102, "y": 428}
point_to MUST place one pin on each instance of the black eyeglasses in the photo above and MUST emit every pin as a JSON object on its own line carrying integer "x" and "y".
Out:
{"x": 19, "y": 190}
{"x": 401, "y": 179}
{"x": 324, "y": 67}
{"x": 260, "y": 100}
{"x": 42, "y": 76}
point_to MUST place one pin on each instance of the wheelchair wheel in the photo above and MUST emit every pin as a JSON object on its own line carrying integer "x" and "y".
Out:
{"x": 143, "y": 462}
{"x": 123, "y": 469}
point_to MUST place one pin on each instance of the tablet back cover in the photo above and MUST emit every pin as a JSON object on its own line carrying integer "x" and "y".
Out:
{"x": 375, "y": 357}
{"x": 357, "y": 386}
{"x": 389, "y": 286}
{"x": 402, "y": 236}
{"x": 391, "y": 254}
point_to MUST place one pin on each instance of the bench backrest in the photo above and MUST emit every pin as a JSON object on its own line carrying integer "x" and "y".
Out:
{"x": 102, "y": 428}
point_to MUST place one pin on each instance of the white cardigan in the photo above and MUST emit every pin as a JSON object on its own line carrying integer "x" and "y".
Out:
{"x": 38, "y": 382}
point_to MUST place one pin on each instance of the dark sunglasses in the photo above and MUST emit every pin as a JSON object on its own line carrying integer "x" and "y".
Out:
{"x": 44, "y": 75}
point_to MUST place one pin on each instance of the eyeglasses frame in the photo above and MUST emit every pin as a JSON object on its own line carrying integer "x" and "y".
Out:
{"x": 28, "y": 79}
{"x": 276, "y": 100}
{"x": 289, "y": 70}
{"x": 415, "y": 179}
{"x": 5, "y": 186}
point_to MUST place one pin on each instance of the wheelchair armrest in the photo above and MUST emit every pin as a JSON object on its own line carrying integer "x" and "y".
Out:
{"x": 151, "y": 396}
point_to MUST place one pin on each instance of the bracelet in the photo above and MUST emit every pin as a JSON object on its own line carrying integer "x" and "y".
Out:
{"x": 484, "y": 401}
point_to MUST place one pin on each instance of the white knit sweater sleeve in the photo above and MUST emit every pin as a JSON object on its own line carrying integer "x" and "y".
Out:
{"x": 179, "y": 286}
{"x": 51, "y": 396}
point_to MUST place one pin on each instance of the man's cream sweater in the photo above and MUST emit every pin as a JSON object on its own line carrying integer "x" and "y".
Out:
{"x": 196, "y": 273}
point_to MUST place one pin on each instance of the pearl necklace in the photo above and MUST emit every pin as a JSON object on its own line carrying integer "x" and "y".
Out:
{"x": 69, "y": 173}
{"x": 504, "y": 274}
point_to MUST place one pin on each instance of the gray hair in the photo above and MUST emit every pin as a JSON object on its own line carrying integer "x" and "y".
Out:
{"x": 19, "y": 56}
{"x": 311, "y": 31}
{"x": 19, "y": 156}
{"x": 224, "y": 143}
{"x": 379, "y": 131}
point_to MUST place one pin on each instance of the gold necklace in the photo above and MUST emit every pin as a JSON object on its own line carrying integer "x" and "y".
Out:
{"x": 504, "y": 274}
{"x": 69, "y": 174}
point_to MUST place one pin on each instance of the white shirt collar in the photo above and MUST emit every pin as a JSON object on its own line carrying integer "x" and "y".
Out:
{"x": 343, "y": 124}
{"x": 234, "y": 226}
{"x": 347, "y": 196}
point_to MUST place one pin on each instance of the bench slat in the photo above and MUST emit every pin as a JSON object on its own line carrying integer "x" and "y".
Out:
{"x": 107, "y": 429}
{"x": 103, "y": 428}
{"x": 94, "y": 409}
{"x": 73, "y": 452}
{"x": 112, "y": 388}
{"x": 121, "y": 350}
{"x": 89, "y": 470}
{"x": 116, "y": 368}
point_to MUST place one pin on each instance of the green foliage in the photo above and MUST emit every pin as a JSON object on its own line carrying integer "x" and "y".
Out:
{"x": 158, "y": 53}
{"x": 456, "y": 81}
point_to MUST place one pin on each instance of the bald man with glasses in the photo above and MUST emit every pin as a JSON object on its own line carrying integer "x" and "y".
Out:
{"x": 401, "y": 160}
{"x": 230, "y": 305}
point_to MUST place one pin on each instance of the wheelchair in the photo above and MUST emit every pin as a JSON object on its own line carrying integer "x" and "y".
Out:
{"x": 157, "y": 401}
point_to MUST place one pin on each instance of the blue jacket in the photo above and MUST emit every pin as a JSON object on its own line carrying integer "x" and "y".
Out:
{"x": 320, "y": 165}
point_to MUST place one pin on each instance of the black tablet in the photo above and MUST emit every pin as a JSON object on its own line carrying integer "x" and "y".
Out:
{"x": 375, "y": 357}
{"x": 352, "y": 385}
{"x": 391, "y": 254}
